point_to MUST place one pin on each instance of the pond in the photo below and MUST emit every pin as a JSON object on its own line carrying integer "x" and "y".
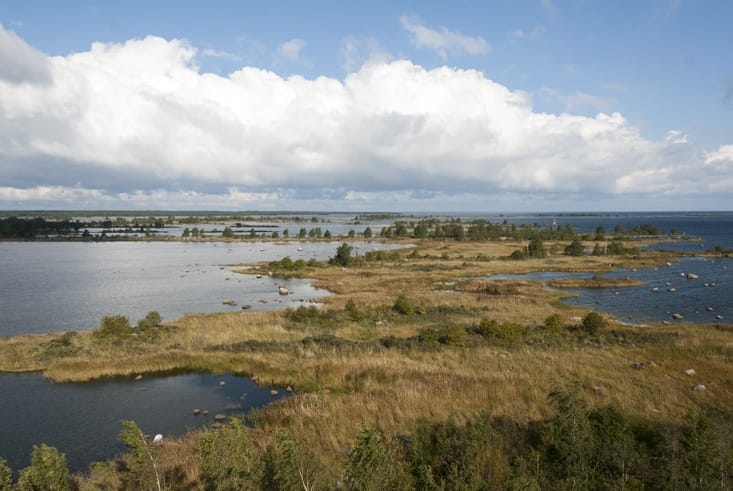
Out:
{"x": 83, "y": 420}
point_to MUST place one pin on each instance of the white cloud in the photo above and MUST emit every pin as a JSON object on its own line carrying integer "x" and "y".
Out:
{"x": 19, "y": 62}
{"x": 139, "y": 124}
{"x": 724, "y": 154}
{"x": 290, "y": 50}
{"x": 443, "y": 41}
{"x": 676, "y": 136}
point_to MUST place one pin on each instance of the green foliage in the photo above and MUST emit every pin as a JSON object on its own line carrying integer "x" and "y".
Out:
{"x": 404, "y": 306}
{"x": 616, "y": 248}
{"x": 353, "y": 311}
{"x": 569, "y": 448}
{"x": 575, "y": 248}
{"x": 368, "y": 233}
{"x": 343, "y": 255}
{"x": 228, "y": 459}
{"x": 454, "y": 336}
{"x": 151, "y": 320}
{"x": 6, "y": 476}
{"x": 448, "y": 456}
{"x": 593, "y": 323}
{"x": 141, "y": 459}
{"x": 598, "y": 250}
{"x": 372, "y": 466}
{"x": 114, "y": 326}
{"x": 428, "y": 337}
{"x": 381, "y": 256}
{"x": 554, "y": 323}
{"x": 288, "y": 467}
{"x": 509, "y": 332}
{"x": 287, "y": 264}
{"x": 536, "y": 248}
{"x": 228, "y": 233}
{"x": 47, "y": 472}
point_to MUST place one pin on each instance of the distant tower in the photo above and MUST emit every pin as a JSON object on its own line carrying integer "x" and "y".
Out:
{"x": 554, "y": 225}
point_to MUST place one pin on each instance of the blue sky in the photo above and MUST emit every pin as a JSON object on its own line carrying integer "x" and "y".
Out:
{"x": 412, "y": 106}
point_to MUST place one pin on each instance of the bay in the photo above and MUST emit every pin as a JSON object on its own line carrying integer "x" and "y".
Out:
{"x": 83, "y": 420}
{"x": 63, "y": 286}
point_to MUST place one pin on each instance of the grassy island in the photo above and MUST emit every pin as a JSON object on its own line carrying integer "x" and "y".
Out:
{"x": 415, "y": 343}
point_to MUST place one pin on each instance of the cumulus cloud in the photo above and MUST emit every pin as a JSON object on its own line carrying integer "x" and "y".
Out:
{"x": 19, "y": 62}
{"x": 443, "y": 41}
{"x": 290, "y": 50}
{"x": 139, "y": 124}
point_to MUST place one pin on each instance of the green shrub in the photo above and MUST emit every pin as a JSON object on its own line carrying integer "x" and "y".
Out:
{"x": 47, "y": 472}
{"x": 343, "y": 255}
{"x": 509, "y": 331}
{"x": 228, "y": 459}
{"x": 288, "y": 467}
{"x": 575, "y": 248}
{"x": 353, "y": 311}
{"x": 403, "y": 306}
{"x": 554, "y": 323}
{"x": 141, "y": 459}
{"x": 372, "y": 465}
{"x": 454, "y": 336}
{"x": 6, "y": 476}
{"x": 428, "y": 337}
{"x": 152, "y": 319}
{"x": 593, "y": 323}
{"x": 114, "y": 326}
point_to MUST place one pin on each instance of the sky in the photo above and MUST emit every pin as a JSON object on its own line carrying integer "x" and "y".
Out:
{"x": 485, "y": 106}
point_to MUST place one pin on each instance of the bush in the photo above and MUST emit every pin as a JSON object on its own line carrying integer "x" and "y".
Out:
{"x": 48, "y": 471}
{"x": 355, "y": 315}
{"x": 593, "y": 323}
{"x": 454, "y": 336}
{"x": 114, "y": 326}
{"x": 343, "y": 255}
{"x": 428, "y": 337}
{"x": 403, "y": 306}
{"x": 288, "y": 466}
{"x": 141, "y": 459}
{"x": 575, "y": 248}
{"x": 509, "y": 331}
{"x": 152, "y": 319}
{"x": 554, "y": 323}
{"x": 6, "y": 476}
{"x": 372, "y": 465}
{"x": 228, "y": 459}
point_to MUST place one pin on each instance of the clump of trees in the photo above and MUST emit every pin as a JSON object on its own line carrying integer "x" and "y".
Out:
{"x": 118, "y": 326}
{"x": 343, "y": 256}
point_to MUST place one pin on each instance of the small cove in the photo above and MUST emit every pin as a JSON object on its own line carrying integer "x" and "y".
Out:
{"x": 83, "y": 420}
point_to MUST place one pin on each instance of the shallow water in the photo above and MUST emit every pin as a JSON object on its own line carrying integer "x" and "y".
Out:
{"x": 700, "y": 300}
{"x": 61, "y": 286}
{"x": 83, "y": 420}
